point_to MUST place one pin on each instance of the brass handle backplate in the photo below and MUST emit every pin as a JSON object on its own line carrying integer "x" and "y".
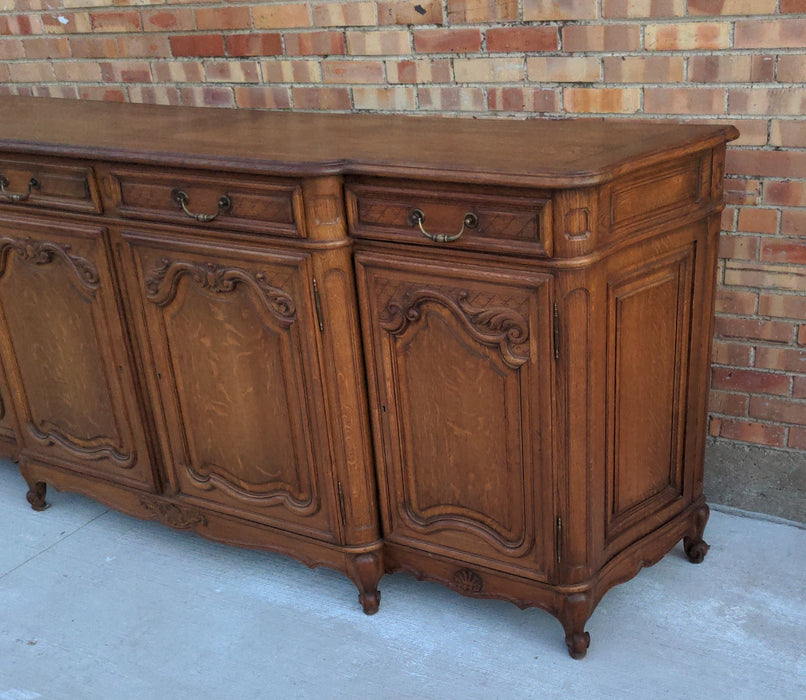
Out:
{"x": 182, "y": 199}
{"x": 417, "y": 217}
{"x": 33, "y": 184}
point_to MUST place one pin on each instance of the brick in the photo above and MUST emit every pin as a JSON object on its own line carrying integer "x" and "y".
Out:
{"x": 731, "y": 7}
{"x": 315, "y": 98}
{"x": 742, "y": 191}
{"x": 765, "y": 275}
{"x": 783, "y": 359}
{"x": 337, "y": 14}
{"x": 791, "y": 68}
{"x": 733, "y": 354}
{"x": 220, "y": 18}
{"x": 488, "y": 70}
{"x": 644, "y": 69}
{"x": 610, "y": 37}
{"x": 802, "y": 335}
{"x": 753, "y": 432}
{"x": 385, "y": 98}
{"x": 22, "y": 24}
{"x": 452, "y": 99}
{"x": 755, "y": 220}
{"x": 407, "y": 12}
{"x": 778, "y": 410}
{"x": 197, "y": 45}
{"x": 4, "y": 74}
{"x": 736, "y": 302}
{"x": 231, "y": 72}
{"x": 291, "y": 72}
{"x": 117, "y": 22}
{"x": 753, "y": 132}
{"x": 154, "y": 94}
{"x": 323, "y": 43}
{"x": 793, "y": 222}
{"x": 381, "y": 43}
{"x": 559, "y": 69}
{"x": 549, "y": 10}
{"x": 126, "y": 71}
{"x": 11, "y": 48}
{"x": 784, "y": 252}
{"x": 727, "y": 403}
{"x": 765, "y": 101}
{"x": 47, "y": 47}
{"x": 75, "y": 23}
{"x": 799, "y": 388}
{"x": 207, "y": 96}
{"x": 761, "y": 163}
{"x": 774, "y": 34}
{"x": 352, "y": 72}
{"x": 523, "y": 99}
{"x": 77, "y": 71}
{"x": 447, "y": 40}
{"x": 419, "y": 71}
{"x": 731, "y": 69}
{"x": 750, "y": 381}
{"x": 785, "y": 193}
{"x": 782, "y": 306}
{"x": 602, "y": 100}
{"x": 144, "y": 46}
{"x": 797, "y": 436}
{"x": 287, "y": 16}
{"x": 178, "y": 71}
{"x": 792, "y": 6}
{"x": 93, "y": 47}
{"x": 174, "y": 20}
{"x": 684, "y": 101}
{"x": 728, "y": 219}
{"x": 687, "y": 36}
{"x": 254, "y": 44}
{"x": 38, "y": 72}
{"x": 640, "y": 9}
{"x": 477, "y": 11}
{"x": 770, "y": 331}
{"x": 263, "y": 97}
{"x": 107, "y": 94}
{"x": 522, "y": 39}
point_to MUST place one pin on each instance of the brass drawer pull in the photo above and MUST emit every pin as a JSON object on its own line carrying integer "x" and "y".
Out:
{"x": 418, "y": 217}
{"x": 182, "y": 199}
{"x": 33, "y": 184}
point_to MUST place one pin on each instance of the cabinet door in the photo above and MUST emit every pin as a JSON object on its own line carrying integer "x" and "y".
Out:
{"x": 233, "y": 347}
{"x": 8, "y": 439}
{"x": 460, "y": 377}
{"x": 64, "y": 352}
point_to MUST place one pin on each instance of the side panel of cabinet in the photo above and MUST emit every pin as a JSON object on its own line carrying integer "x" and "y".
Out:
{"x": 64, "y": 352}
{"x": 460, "y": 382}
{"x": 8, "y": 438}
{"x": 230, "y": 336}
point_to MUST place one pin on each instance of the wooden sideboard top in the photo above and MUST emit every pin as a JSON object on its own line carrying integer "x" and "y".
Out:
{"x": 540, "y": 152}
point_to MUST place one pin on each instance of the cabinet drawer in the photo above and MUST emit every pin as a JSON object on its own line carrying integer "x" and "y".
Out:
{"x": 239, "y": 203}
{"x": 472, "y": 218}
{"x": 41, "y": 182}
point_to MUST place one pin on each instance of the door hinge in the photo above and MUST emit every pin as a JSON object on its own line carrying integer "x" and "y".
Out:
{"x": 341, "y": 505}
{"x": 556, "y": 328}
{"x": 317, "y": 301}
{"x": 559, "y": 542}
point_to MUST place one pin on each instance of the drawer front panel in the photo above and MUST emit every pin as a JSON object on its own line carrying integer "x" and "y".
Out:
{"x": 231, "y": 202}
{"x": 35, "y": 182}
{"x": 499, "y": 221}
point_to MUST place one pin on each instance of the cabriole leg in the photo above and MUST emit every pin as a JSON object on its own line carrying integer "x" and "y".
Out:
{"x": 365, "y": 571}
{"x": 36, "y": 495}
{"x": 577, "y": 608}
{"x": 695, "y": 546}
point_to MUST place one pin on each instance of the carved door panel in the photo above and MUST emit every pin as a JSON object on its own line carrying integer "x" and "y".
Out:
{"x": 460, "y": 379}
{"x": 64, "y": 352}
{"x": 232, "y": 341}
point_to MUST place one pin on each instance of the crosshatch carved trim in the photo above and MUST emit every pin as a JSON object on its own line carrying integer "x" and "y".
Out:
{"x": 162, "y": 282}
{"x": 494, "y": 325}
{"x": 44, "y": 253}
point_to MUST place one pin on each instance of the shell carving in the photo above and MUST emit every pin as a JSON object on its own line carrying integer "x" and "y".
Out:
{"x": 468, "y": 581}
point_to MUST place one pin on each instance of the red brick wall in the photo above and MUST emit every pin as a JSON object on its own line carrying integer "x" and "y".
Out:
{"x": 743, "y": 61}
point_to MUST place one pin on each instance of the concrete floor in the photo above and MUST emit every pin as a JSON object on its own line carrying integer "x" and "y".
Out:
{"x": 94, "y": 604}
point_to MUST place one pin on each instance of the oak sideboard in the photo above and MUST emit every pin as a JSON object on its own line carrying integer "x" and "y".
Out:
{"x": 474, "y": 350}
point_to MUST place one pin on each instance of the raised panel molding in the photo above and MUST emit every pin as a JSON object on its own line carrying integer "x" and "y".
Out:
{"x": 44, "y": 253}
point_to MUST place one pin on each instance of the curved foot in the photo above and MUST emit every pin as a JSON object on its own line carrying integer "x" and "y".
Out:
{"x": 693, "y": 544}
{"x": 578, "y": 644}
{"x": 365, "y": 571}
{"x": 36, "y": 496}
